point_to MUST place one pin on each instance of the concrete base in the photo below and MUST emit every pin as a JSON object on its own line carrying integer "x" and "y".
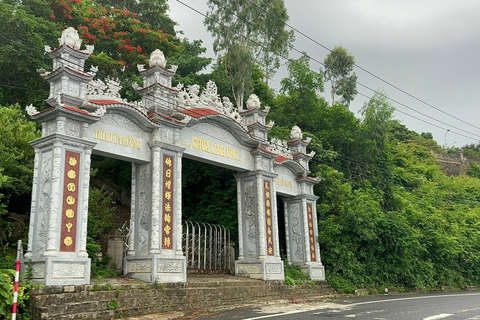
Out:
{"x": 263, "y": 269}
{"x": 315, "y": 271}
{"x": 155, "y": 268}
{"x": 57, "y": 271}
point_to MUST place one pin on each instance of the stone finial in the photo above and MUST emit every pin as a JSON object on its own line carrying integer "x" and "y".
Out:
{"x": 157, "y": 58}
{"x": 253, "y": 102}
{"x": 70, "y": 38}
{"x": 296, "y": 133}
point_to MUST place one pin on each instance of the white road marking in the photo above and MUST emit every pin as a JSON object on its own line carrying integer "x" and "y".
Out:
{"x": 362, "y": 303}
{"x": 438, "y": 316}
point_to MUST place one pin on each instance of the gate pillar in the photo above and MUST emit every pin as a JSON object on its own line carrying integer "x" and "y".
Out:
{"x": 259, "y": 255}
{"x": 155, "y": 247}
{"x": 58, "y": 218}
{"x": 302, "y": 233}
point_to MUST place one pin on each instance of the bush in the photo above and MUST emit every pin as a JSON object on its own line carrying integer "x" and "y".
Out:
{"x": 7, "y": 283}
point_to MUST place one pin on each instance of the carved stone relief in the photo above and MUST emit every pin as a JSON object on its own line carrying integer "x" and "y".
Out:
{"x": 248, "y": 269}
{"x": 73, "y": 129}
{"x": 170, "y": 266}
{"x": 167, "y": 135}
{"x": 265, "y": 164}
{"x": 68, "y": 270}
{"x": 296, "y": 228}
{"x": 139, "y": 266}
{"x": 38, "y": 271}
{"x": 274, "y": 268}
{"x": 317, "y": 273}
{"x": 44, "y": 203}
{"x": 250, "y": 218}
{"x": 121, "y": 122}
{"x": 144, "y": 223}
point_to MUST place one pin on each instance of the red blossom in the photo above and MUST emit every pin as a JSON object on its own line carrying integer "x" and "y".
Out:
{"x": 142, "y": 31}
{"x": 129, "y": 48}
{"x": 139, "y": 49}
{"x": 52, "y": 16}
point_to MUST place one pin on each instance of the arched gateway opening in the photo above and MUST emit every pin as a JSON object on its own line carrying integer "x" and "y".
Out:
{"x": 88, "y": 116}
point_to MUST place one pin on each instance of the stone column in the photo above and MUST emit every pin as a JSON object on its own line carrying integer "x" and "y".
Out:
{"x": 302, "y": 234}
{"x": 59, "y": 212}
{"x": 258, "y": 227}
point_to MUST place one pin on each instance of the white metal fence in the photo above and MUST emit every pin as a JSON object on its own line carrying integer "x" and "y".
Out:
{"x": 207, "y": 247}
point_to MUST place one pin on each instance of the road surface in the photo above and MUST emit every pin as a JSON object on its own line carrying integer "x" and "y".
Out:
{"x": 448, "y": 306}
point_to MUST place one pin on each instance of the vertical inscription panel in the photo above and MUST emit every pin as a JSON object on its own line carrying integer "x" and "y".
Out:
{"x": 311, "y": 233}
{"x": 70, "y": 202}
{"x": 167, "y": 210}
{"x": 268, "y": 216}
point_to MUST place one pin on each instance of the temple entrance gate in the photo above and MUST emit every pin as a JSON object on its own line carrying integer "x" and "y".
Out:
{"x": 88, "y": 116}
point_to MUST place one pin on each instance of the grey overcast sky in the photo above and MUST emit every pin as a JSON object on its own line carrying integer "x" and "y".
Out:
{"x": 428, "y": 48}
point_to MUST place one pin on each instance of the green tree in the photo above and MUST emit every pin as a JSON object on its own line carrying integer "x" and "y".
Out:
{"x": 153, "y": 12}
{"x": 26, "y": 27}
{"x": 16, "y": 167}
{"x": 339, "y": 71}
{"x": 300, "y": 97}
{"x": 246, "y": 33}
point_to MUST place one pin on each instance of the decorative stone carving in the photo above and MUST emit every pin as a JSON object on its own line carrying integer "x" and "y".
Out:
{"x": 144, "y": 224}
{"x": 109, "y": 88}
{"x": 31, "y": 110}
{"x": 68, "y": 270}
{"x": 248, "y": 269}
{"x": 250, "y": 219}
{"x": 253, "y": 102}
{"x": 139, "y": 266}
{"x": 44, "y": 204}
{"x": 273, "y": 268}
{"x": 317, "y": 273}
{"x": 70, "y": 38}
{"x": 280, "y": 147}
{"x": 38, "y": 271}
{"x": 157, "y": 58}
{"x": 99, "y": 112}
{"x": 296, "y": 228}
{"x": 121, "y": 121}
{"x": 190, "y": 97}
{"x": 167, "y": 135}
{"x": 73, "y": 129}
{"x": 296, "y": 133}
{"x": 170, "y": 266}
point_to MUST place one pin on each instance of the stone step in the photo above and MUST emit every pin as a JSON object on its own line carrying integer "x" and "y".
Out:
{"x": 131, "y": 299}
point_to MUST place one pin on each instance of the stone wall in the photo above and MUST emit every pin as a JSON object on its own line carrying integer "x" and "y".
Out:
{"x": 119, "y": 300}
{"x": 454, "y": 164}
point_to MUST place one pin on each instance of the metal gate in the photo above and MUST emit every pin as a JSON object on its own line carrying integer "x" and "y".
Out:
{"x": 207, "y": 247}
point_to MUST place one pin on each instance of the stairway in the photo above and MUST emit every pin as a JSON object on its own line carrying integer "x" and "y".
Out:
{"x": 122, "y": 297}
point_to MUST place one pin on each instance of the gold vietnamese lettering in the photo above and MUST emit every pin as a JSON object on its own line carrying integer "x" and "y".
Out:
{"x": 117, "y": 139}
{"x": 214, "y": 148}
{"x": 284, "y": 183}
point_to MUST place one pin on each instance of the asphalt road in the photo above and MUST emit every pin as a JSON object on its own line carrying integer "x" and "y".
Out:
{"x": 449, "y": 306}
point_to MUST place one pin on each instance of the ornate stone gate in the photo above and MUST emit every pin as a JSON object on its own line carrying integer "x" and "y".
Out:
{"x": 88, "y": 116}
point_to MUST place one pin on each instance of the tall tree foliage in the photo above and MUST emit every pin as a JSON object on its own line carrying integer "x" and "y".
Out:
{"x": 248, "y": 32}
{"x": 26, "y": 27}
{"x": 339, "y": 71}
{"x": 16, "y": 166}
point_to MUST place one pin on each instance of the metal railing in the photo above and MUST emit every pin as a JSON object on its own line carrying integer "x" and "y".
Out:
{"x": 207, "y": 246}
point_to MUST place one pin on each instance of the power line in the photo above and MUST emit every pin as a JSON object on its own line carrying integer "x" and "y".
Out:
{"x": 306, "y": 55}
{"x": 361, "y": 68}
{"x": 29, "y": 46}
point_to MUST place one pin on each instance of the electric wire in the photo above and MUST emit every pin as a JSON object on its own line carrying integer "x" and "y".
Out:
{"x": 159, "y": 99}
{"x": 359, "y": 67}
{"x": 316, "y": 60}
